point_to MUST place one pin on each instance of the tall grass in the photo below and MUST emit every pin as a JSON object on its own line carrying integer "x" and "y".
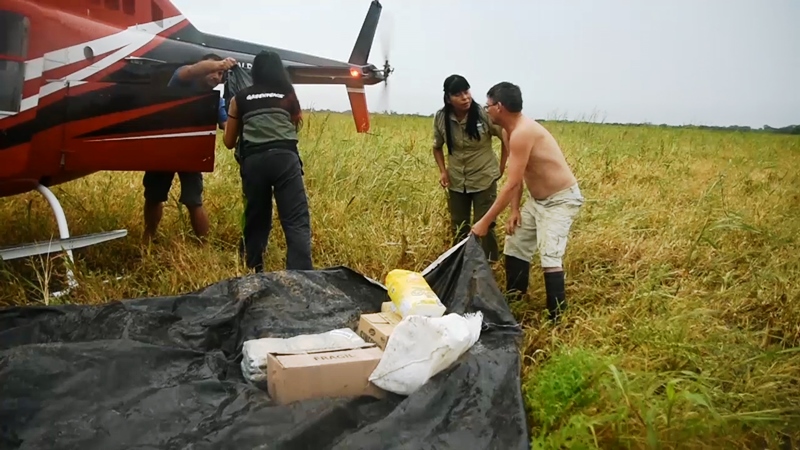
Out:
{"x": 682, "y": 269}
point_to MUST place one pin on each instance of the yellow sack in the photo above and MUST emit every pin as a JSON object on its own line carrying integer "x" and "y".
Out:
{"x": 411, "y": 294}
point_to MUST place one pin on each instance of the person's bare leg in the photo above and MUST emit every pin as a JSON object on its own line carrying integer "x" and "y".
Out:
{"x": 153, "y": 211}
{"x": 199, "y": 219}
{"x": 192, "y": 198}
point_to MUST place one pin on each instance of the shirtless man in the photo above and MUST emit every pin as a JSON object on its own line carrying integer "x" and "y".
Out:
{"x": 553, "y": 200}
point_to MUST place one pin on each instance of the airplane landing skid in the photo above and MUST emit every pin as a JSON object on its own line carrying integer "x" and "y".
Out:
{"x": 64, "y": 244}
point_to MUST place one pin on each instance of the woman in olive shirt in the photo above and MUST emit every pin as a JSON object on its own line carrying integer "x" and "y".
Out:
{"x": 472, "y": 171}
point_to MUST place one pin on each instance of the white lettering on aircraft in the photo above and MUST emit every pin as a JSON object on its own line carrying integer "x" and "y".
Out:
{"x": 264, "y": 95}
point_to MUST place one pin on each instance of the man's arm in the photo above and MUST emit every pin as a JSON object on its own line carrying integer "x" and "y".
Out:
{"x": 498, "y": 132}
{"x": 516, "y": 199}
{"x": 519, "y": 152}
{"x": 203, "y": 68}
{"x": 222, "y": 114}
{"x": 503, "y": 152}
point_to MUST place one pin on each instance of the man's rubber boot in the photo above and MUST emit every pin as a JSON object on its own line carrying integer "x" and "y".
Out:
{"x": 556, "y": 297}
{"x": 517, "y": 276}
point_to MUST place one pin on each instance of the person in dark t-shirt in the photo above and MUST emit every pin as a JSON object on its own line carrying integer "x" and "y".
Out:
{"x": 265, "y": 119}
{"x": 204, "y": 75}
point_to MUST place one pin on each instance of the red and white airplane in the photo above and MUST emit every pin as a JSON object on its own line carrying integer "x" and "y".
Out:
{"x": 83, "y": 88}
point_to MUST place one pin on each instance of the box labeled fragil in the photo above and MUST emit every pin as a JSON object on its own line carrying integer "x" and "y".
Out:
{"x": 378, "y": 327}
{"x": 324, "y": 374}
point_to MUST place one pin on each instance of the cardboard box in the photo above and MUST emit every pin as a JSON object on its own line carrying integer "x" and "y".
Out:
{"x": 324, "y": 374}
{"x": 378, "y": 327}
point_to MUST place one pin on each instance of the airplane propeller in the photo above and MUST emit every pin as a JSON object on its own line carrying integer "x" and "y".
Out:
{"x": 387, "y": 30}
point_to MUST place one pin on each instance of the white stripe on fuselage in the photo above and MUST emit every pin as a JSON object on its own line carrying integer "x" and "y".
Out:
{"x": 158, "y": 136}
{"x": 125, "y": 42}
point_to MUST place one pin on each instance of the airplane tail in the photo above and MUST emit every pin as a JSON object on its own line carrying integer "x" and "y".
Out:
{"x": 303, "y": 68}
{"x": 359, "y": 57}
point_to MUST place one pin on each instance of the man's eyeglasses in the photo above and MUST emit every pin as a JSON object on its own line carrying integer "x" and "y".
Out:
{"x": 488, "y": 105}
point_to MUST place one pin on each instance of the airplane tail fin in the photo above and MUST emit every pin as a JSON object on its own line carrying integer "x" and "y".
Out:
{"x": 366, "y": 36}
{"x": 359, "y": 57}
{"x": 358, "y": 105}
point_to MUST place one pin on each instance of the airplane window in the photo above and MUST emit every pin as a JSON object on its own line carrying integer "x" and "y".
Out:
{"x": 129, "y": 7}
{"x": 112, "y": 5}
{"x": 12, "y": 77}
{"x": 13, "y": 51}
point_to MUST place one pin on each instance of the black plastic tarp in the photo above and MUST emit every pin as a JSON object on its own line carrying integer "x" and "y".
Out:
{"x": 235, "y": 80}
{"x": 163, "y": 373}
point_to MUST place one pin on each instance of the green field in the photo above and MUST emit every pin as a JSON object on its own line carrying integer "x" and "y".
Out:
{"x": 682, "y": 271}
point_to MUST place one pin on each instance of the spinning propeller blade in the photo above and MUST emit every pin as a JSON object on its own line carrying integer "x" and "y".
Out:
{"x": 387, "y": 33}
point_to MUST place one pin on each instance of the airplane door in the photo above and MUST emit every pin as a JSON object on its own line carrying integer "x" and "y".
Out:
{"x": 138, "y": 127}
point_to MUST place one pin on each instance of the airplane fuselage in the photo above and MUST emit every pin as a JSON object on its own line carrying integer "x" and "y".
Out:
{"x": 83, "y": 88}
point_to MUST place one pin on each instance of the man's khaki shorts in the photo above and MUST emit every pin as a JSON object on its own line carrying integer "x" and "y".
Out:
{"x": 545, "y": 226}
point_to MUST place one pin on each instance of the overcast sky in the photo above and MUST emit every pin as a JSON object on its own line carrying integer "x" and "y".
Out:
{"x": 712, "y": 62}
